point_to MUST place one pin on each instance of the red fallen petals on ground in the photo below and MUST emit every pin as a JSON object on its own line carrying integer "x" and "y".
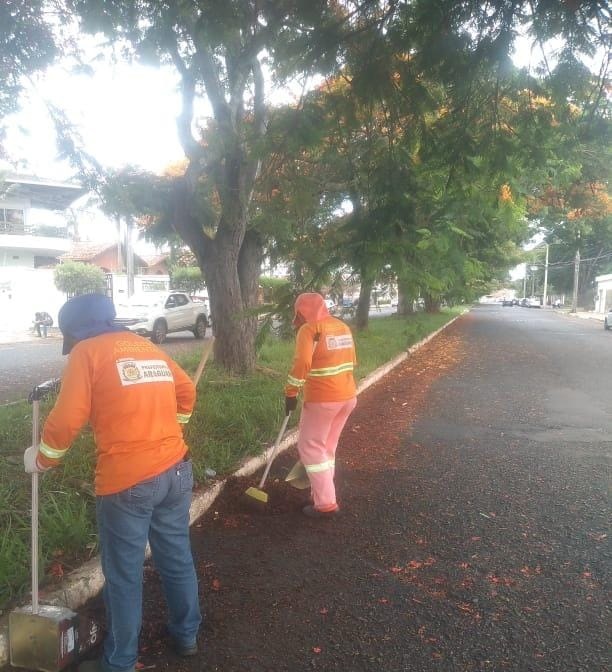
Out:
{"x": 501, "y": 580}
{"x": 316, "y": 649}
{"x": 56, "y": 569}
{"x": 324, "y": 611}
{"x": 215, "y": 584}
{"x": 597, "y": 537}
{"x": 531, "y": 571}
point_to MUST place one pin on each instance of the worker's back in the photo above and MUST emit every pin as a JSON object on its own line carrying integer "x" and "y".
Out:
{"x": 135, "y": 398}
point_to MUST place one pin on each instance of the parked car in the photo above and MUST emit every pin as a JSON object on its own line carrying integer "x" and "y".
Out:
{"x": 608, "y": 320}
{"x": 156, "y": 314}
{"x": 508, "y": 302}
{"x": 533, "y": 302}
{"x": 196, "y": 298}
{"x": 331, "y": 306}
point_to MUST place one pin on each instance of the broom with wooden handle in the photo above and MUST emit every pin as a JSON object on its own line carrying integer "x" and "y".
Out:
{"x": 257, "y": 496}
{"x": 208, "y": 346}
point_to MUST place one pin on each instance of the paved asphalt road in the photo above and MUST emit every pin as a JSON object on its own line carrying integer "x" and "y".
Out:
{"x": 474, "y": 486}
{"x": 473, "y": 482}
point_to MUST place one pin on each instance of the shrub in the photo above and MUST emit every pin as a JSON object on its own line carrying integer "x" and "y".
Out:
{"x": 75, "y": 278}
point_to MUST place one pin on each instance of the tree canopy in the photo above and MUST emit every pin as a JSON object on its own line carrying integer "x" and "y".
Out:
{"x": 422, "y": 149}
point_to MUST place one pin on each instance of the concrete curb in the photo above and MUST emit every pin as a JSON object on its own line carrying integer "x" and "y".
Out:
{"x": 86, "y": 582}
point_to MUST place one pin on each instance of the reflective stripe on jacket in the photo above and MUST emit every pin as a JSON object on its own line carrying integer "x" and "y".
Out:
{"x": 323, "y": 362}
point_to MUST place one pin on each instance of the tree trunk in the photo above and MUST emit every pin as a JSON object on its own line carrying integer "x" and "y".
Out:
{"x": 432, "y": 303}
{"x": 232, "y": 275}
{"x": 363, "y": 307}
{"x": 233, "y": 328}
{"x": 405, "y": 298}
{"x": 230, "y": 264}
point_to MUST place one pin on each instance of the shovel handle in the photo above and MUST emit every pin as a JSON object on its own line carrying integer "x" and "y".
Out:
{"x": 39, "y": 392}
{"x": 274, "y": 451}
{"x": 35, "y": 442}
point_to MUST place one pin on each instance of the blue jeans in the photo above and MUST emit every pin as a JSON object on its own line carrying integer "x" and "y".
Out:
{"x": 156, "y": 510}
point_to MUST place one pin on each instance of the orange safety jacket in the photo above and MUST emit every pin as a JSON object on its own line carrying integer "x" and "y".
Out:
{"x": 136, "y": 399}
{"x": 323, "y": 362}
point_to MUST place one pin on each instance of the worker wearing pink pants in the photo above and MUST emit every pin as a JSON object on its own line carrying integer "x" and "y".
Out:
{"x": 322, "y": 367}
{"x": 320, "y": 427}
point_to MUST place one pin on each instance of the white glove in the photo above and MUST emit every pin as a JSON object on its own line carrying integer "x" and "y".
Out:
{"x": 30, "y": 461}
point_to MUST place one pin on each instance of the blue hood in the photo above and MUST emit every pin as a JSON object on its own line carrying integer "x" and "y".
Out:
{"x": 84, "y": 317}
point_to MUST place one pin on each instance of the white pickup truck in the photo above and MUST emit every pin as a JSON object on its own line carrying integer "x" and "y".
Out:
{"x": 157, "y": 314}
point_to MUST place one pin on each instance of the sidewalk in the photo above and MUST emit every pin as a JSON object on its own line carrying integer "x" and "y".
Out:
{"x": 584, "y": 315}
{"x": 8, "y": 336}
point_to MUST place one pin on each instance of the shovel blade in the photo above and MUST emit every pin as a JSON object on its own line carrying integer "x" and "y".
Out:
{"x": 297, "y": 477}
{"x": 50, "y": 639}
{"x": 46, "y": 641}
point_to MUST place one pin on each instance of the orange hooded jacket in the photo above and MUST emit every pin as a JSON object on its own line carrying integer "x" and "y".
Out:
{"x": 136, "y": 399}
{"x": 324, "y": 356}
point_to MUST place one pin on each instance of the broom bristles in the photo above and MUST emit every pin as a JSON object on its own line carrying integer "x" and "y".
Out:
{"x": 257, "y": 494}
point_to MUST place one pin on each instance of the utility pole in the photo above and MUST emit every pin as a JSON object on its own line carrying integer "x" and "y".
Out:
{"x": 129, "y": 253}
{"x": 120, "y": 243}
{"x": 525, "y": 282}
{"x": 576, "y": 278}
{"x": 544, "y": 297}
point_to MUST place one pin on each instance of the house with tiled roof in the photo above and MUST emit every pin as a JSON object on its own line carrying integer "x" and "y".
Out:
{"x": 156, "y": 264}
{"x": 110, "y": 258}
{"x": 107, "y": 256}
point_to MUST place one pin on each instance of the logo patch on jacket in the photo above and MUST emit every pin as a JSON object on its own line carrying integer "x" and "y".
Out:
{"x": 340, "y": 342}
{"x": 134, "y": 372}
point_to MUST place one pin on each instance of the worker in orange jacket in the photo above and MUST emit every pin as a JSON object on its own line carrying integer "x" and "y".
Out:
{"x": 323, "y": 366}
{"x": 137, "y": 400}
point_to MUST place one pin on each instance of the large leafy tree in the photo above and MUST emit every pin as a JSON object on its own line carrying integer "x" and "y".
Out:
{"x": 226, "y": 53}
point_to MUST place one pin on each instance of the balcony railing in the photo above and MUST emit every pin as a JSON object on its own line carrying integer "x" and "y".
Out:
{"x": 20, "y": 229}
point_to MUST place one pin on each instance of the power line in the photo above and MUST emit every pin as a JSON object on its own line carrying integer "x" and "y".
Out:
{"x": 570, "y": 262}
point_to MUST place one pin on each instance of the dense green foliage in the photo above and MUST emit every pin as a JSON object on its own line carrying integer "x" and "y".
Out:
{"x": 187, "y": 278}
{"x": 74, "y": 278}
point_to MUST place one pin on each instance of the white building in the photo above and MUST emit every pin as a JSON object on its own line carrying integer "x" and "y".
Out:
{"x": 603, "y": 298}
{"x": 28, "y": 251}
{"x": 22, "y": 244}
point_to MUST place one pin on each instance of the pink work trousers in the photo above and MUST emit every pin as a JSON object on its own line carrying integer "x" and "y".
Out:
{"x": 321, "y": 424}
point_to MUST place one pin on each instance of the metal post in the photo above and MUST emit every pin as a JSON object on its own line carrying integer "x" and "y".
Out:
{"x": 119, "y": 245}
{"x": 576, "y": 279}
{"x": 544, "y": 297}
{"x": 525, "y": 282}
{"x": 129, "y": 253}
